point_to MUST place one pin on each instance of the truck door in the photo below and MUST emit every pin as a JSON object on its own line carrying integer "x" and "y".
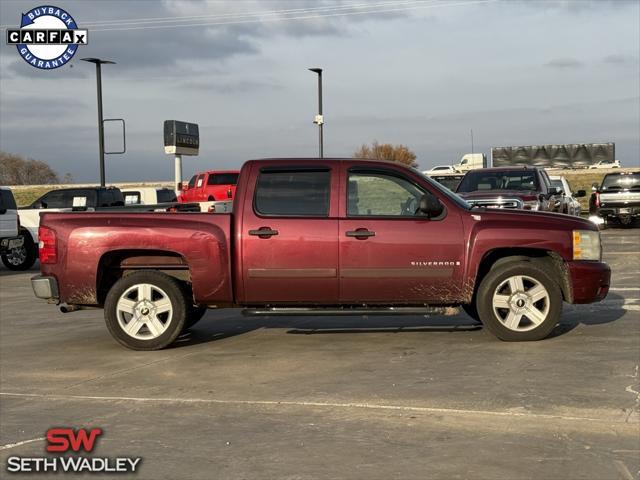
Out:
{"x": 290, "y": 236}
{"x": 389, "y": 252}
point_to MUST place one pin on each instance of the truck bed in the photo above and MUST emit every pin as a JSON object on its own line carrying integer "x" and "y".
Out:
{"x": 198, "y": 243}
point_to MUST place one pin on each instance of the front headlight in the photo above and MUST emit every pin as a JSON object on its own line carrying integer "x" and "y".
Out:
{"x": 586, "y": 245}
{"x": 530, "y": 205}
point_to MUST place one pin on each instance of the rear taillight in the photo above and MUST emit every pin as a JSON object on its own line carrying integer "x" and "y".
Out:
{"x": 48, "y": 250}
{"x": 597, "y": 199}
{"x": 229, "y": 193}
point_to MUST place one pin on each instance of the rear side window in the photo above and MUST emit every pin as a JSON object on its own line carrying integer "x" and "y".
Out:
{"x": 7, "y": 201}
{"x": 64, "y": 198}
{"x": 166, "y": 196}
{"x": 223, "y": 179}
{"x": 293, "y": 193}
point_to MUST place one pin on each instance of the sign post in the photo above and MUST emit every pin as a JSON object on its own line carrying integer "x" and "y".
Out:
{"x": 180, "y": 138}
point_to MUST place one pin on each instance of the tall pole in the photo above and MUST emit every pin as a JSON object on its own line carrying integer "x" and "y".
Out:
{"x": 100, "y": 123}
{"x": 472, "y": 140}
{"x": 321, "y": 123}
{"x": 319, "y": 118}
{"x": 178, "y": 173}
{"x": 98, "y": 62}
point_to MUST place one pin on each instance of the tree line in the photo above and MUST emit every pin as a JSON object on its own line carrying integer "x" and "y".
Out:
{"x": 18, "y": 170}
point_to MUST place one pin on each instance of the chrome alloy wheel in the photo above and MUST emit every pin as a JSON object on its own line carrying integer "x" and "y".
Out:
{"x": 521, "y": 303}
{"x": 144, "y": 311}
{"x": 17, "y": 256}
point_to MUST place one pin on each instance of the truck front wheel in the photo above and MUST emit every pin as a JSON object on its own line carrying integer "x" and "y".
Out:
{"x": 146, "y": 310}
{"x": 519, "y": 301}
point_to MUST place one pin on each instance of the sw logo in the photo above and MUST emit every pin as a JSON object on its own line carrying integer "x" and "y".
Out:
{"x": 48, "y": 37}
{"x": 65, "y": 439}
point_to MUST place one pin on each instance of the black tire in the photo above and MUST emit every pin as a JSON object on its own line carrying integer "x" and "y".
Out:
{"x": 471, "y": 310}
{"x": 21, "y": 258}
{"x": 173, "y": 326}
{"x": 533, "y": 271}
{"x": 194, "y": 315}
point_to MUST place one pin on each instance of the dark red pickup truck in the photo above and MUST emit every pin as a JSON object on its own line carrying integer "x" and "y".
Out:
{"x": 322, "y": 235}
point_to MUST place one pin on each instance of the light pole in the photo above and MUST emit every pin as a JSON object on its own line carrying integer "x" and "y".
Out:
{"x": 98, "y": 62}
{"x": 319, "y": 119}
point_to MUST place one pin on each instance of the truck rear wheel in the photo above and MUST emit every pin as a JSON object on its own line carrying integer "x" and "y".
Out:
{"x": 146, "y": 310}
{"x": 21, "y": 258}
{"x": 519, "y": 301}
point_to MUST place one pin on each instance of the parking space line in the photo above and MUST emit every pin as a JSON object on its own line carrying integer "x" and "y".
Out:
{"x": 290, "y": 403}
{"x": 17, "y": 444}
{"x": 623, "y": 289}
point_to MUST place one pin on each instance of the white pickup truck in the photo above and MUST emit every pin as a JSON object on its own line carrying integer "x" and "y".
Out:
{"x": 617, "y": 198}
{"x": 10, "y": 240}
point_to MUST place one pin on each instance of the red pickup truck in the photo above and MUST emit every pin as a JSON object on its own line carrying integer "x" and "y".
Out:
{"x": 322, "y": 235}
{"x": 209, "y": 186}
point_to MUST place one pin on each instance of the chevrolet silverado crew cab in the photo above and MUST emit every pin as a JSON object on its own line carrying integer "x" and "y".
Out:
{"x": 527, "y": 188}
{"x": 322, "y": 235}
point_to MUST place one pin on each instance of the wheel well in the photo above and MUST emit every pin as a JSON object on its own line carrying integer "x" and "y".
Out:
{"x": 552, "y": 260}
{"x": 115, "y": 265}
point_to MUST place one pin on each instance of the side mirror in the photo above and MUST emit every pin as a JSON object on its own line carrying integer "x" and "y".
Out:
{"x": 430, "y": 205}
{"x": 580, "y": 193}
{"x": 542, "y": 197}
{"x": 180, "y": 186}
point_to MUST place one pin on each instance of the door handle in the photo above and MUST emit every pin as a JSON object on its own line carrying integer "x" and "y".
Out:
{"x": 360, "y": 233}
{"x": 263, "y": 232}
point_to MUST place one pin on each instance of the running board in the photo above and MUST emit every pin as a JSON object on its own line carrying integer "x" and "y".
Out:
{"x": 297, "y": 311}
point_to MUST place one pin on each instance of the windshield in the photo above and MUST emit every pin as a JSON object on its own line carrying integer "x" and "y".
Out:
{"x": 445, "y": 191}
{"x": 617, "y": 181}
{"x": 478, "y": 180}
{"x": 557, "y": 184}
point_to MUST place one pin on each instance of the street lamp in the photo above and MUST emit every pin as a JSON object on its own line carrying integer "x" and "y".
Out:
{"x": 98, "y": 62}
{"x": 319, "y": 119}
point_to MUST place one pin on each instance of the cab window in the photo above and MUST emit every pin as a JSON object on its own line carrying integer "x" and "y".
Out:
{"x": 374, "y": 193}
{"x": 303, "y": 192}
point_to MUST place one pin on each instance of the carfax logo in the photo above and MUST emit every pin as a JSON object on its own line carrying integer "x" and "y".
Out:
{"x": 48, "y": 37}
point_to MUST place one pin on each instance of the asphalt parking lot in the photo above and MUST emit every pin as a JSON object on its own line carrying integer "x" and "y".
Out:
{"x": 336, "y": 397}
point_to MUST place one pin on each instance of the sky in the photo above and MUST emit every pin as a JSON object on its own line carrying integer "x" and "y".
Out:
{"x": 422, "y": 73}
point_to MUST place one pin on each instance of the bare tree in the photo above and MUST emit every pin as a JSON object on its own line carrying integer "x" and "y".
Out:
{"x": 386, "y": 151}
{"x": 17, "y": 170}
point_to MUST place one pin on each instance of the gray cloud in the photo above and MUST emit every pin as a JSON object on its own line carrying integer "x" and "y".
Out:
{"x": 618, "y": 59}
{"x": 563, "y": 63}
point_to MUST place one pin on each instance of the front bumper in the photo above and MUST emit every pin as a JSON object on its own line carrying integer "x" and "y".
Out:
{"x": 45, "y": 287}
{"x": 590, "y": 281}
{"x": 10, "y": 243}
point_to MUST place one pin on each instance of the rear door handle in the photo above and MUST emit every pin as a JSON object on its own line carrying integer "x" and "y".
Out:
{"x": 360, "y": 233}
{"x": 263, "y": 232}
